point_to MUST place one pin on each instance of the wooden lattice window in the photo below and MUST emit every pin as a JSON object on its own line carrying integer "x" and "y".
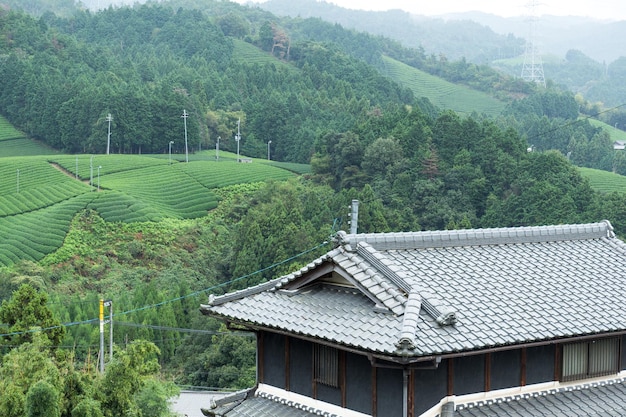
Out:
{"x": 590, "y": 359}
{"x": 326, "y": 365}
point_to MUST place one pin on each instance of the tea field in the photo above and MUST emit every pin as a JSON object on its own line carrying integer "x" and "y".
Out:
{"x": 40, "y": 195}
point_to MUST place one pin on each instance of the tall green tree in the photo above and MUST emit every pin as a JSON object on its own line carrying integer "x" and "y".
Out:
{"x": 26, "y": 313}
{"x": 42, "y": 400}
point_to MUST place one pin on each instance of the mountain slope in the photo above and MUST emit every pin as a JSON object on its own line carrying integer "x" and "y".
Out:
{"x": 442, "y": 93}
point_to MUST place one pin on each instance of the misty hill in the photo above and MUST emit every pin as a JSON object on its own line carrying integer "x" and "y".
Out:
{"x": 581, "y": 54}
{"x": 600, "y": 40}
{"x": 479, "y": 37}
{"x": 454, "y": 39}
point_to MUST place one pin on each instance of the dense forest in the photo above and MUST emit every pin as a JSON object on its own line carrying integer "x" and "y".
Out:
{"x": 318, "y": 96}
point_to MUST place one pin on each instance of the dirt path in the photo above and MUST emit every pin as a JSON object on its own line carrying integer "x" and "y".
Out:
{"x": 68, "y": 173}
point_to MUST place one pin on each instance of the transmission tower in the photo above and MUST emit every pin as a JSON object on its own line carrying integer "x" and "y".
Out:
{"x": 533, "y": 67}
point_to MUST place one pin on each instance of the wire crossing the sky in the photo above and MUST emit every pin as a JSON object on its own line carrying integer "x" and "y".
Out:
{"x": 193, "y": 294}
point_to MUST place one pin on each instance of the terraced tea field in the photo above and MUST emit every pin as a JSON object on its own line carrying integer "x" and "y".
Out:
{"x": 616, "y": 134}
{"x": 442, "y": 93}
{"x": 40, "y": 195}
{"x": 604, "y": 181}
{"x": 14, "y": 143}
{"x": 8, "y": 132}
{"x": 243, "y": 51}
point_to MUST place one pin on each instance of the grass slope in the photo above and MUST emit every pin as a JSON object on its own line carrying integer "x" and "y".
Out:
{"x": 616, "y": 134}
{"x": 37, "y": 203}
{"x": 604, "y": 181}
{"x": 442, "y": 93}
{"x": 7, "y": 131}
{"x": 250, "y": 54}
{"x": 15, "y": 143}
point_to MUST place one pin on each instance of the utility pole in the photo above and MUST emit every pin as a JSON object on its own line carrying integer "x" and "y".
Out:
{"x": 107, "y": 303}
{"x": 91, "y": 171}
{"x": 109, "y": 118}
{"x": 101, "y": 336}
{"x": 238, "y": 137}
{"x": 184, "y": 116}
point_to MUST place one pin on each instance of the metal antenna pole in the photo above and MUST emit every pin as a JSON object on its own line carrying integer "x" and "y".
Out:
{"x": 109, "y": 118}
{"x": 354, "y": 217}
{"x": 109, "y": 303}
{"x": 184, "y": 116}
{"x": 238, "y": 138}
{"x": 91, "y": 171}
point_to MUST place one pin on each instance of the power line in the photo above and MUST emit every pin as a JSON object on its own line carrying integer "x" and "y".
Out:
{"x": 146, "y": 307}
{"x": 576, "y": 121}
{"x": 178, "y": 329}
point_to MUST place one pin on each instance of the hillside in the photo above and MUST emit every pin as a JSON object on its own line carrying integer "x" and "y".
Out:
{"x": 442, "y": 93}
{"x": 41, "y": 195}
{"x": 585, "y": 55}
{"x": 155, "y": 235}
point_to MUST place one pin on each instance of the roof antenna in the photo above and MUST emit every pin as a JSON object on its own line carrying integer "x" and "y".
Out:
{"x": 354, "y": 217}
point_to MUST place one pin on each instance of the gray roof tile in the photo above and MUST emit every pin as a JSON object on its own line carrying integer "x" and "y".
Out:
{"x": 505, "y": 286}
{"x": 600, "y": 399}
{"x": 260, "y": 406}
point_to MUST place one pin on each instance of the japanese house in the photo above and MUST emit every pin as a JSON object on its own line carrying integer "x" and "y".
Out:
{"x": 507, "y": 321}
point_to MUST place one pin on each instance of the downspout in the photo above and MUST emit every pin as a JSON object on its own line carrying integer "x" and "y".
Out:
{"x": 405, "y": 392}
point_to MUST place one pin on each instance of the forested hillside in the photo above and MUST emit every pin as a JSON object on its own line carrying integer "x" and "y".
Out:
{"x": 317, "y": 92}
{"x": 145, "y": 66}
{"x": 581, "y": 54}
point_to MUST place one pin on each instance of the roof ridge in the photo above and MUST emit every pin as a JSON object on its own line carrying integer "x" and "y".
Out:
{"x": 476, "y": 237}
{"x": 444, "y": 315}
{"x": 409, "y": 322}
{"x": 236, "y": 295}
{"x": 383, "y": 264}
{"x": 375, "y": 274}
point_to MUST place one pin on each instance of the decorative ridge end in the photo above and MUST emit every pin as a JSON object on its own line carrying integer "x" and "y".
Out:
{"x": 341, "y": 239}
{"x": 405, "y": 345}
{"x": 443, "y": 315}
{"x": 446, "y": 318}
{"x": 609, "y": 232}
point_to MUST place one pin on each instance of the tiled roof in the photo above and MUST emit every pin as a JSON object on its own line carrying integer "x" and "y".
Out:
{"x": 260, "y": 405}
{"x": 477, "y": 288}
{"x": 606, "y": 399}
